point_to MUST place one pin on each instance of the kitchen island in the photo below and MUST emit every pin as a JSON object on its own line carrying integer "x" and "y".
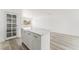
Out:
{"x": 36, "y": 38}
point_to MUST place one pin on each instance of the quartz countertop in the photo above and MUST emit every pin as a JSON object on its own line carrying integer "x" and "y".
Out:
{"x": 37, "y": 30}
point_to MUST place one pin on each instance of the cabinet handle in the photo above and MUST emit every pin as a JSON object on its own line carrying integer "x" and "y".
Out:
{"x": 29, "y": 33}
{"x": 35, "y": 36}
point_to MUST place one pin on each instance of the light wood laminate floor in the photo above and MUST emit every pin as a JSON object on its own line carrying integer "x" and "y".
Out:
{"x": 61, "y": 41}
{"x": 12, "y": 44}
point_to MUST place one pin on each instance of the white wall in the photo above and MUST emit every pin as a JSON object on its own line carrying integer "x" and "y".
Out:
{"x": 3, "y": 22}
{"x": 61, "y": 21}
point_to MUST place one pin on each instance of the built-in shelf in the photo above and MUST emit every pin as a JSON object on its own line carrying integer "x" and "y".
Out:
{"x": 11, "y": 25}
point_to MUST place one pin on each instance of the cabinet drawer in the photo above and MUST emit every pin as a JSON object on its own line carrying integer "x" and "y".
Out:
{"x": 28, "y": 36}
{"x": 27, "y": 33}
{"x": 29, "y": 45}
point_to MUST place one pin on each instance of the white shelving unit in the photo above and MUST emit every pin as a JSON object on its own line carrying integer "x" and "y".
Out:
{"x": 11, "y": 25}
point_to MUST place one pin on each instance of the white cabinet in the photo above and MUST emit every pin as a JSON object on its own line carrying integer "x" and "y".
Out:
{"x": 35, "y": 40}
{"x": 31, "y": 40}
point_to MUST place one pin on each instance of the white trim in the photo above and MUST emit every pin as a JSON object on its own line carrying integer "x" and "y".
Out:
{"x": 11, "y": 37}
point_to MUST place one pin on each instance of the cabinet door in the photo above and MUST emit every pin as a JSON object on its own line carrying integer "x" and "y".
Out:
{"x": 36, "y": 42}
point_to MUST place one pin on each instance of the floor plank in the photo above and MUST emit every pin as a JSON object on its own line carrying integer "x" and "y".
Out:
{"x": 11, "y": 44}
